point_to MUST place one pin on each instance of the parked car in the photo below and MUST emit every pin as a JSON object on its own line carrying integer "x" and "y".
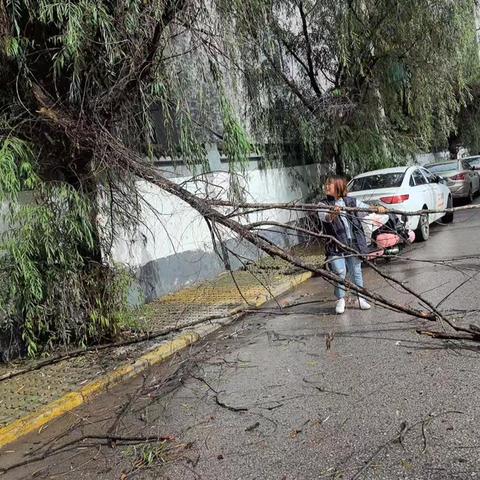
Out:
{"x": 406, "y": 189}
{"x": 473, "y": 161}
{"x": 462, "y": 179}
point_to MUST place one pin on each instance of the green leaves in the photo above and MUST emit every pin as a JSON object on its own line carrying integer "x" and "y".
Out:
{"x": 236, "y": 144}
{"x": 52, "y": 295}
{"x": 16, "y": 169}
{"x": 368, "y": 81}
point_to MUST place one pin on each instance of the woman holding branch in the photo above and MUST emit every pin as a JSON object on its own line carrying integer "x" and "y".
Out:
{"x": 346, "y": 228}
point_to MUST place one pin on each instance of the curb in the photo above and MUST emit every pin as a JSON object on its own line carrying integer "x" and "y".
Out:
{"x": 35, "y": 421}
{"x": 72, "y": 400}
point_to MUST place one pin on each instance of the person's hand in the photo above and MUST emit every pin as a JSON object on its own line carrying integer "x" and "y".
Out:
{"x": 381, "y": 210}
{"x": 335, "y": 212}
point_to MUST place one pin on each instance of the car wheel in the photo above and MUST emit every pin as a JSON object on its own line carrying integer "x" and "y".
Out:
{"x": 448, "y": 217}
{"x": 423, "y": 230}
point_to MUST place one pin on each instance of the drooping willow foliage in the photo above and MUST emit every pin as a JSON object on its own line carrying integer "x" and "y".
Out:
{"x": 53, "y": 292}
{"x": 361, "y": 83}
{"x": 108, "y": 64}
{"x": 354, "y": 83}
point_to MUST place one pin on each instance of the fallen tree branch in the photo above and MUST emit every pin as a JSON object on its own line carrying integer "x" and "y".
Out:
{"x": 93, "y": 138}
{"x": 139, "y": 169}
{"x": 450, "y": 336}
{"x": 97, "y": 348}
{"x": 346, "y": 248}
{"x": 322, "y": 207}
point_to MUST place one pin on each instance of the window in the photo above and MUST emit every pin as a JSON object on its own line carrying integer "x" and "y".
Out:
{"x": 474, "y": 161}
{"x": 419, "y": 178}
{"x": 431, "y": 178}
{"x": 466, "y": 165}
{"x": 373, "y": 182}
{"x": 443, "y": 167}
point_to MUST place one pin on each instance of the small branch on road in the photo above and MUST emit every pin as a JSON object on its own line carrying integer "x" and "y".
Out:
{"x": 253, "y": 427}
{"x": 217, "y": 399}
{"x": 324, "y": 390}
{"x": 450, "y": 336}
{"x": 229, "y": 407}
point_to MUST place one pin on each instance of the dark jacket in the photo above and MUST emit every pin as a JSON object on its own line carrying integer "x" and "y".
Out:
{"x": 337, "y": 229}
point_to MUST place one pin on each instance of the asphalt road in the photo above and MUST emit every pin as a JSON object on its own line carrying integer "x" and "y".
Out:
{"x": 265, "y": 399}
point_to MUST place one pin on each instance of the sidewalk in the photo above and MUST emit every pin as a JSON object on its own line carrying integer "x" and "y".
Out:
{"x": 31, "y": 400}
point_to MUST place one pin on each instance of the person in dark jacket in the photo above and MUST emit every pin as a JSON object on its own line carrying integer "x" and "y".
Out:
{"x": 346, "y": 228}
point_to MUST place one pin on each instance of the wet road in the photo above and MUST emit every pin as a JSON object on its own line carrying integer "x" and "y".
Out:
{"x": 264, "y": 399}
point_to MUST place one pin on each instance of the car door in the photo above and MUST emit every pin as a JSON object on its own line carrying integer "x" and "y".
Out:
{"x": 424, "y": 194}
{"x": 472, "y": 175}
{"x": 439, "y": 194}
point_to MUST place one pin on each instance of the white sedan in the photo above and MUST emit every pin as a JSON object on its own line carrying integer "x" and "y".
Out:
{"x": 407, "y": 189}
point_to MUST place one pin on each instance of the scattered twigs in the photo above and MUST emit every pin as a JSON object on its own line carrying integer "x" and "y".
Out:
{"x": 398, "y": 439}
{"x": 112, "y": 430}
{"x": 110, "y": 440}
{"x": 143, "y": 338}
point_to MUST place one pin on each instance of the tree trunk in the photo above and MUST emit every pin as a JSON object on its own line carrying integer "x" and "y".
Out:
{"x": 339, "y": 163}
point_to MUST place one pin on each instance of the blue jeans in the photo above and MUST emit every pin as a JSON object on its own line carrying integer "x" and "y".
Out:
{"x": 346, "y": 267}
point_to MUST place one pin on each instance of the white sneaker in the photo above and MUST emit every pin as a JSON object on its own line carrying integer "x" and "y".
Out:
{"x": 340, "y": 306}
{"x": 363, "y": 304}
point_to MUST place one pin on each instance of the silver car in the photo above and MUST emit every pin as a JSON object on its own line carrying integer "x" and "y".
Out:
{"x": 461, "y": 177}
{"x": 473, "y": 161}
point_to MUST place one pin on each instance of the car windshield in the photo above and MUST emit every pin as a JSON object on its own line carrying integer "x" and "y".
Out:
{"x": 380, "y": 180}
{"x": 443, "y": 167}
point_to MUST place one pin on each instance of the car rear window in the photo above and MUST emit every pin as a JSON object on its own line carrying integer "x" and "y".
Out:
{"x": 473, "y": 160}
{"x": 381, "y": 180}
{"x": 443, "y": 167}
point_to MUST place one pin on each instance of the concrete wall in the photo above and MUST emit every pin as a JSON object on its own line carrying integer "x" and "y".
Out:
{"x": 425, "y": 158}
{"x": 174, "y": 246}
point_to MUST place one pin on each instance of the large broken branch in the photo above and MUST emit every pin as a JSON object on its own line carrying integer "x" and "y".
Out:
{"x": 321, "y": 207}
{"x": 117, "y": 155}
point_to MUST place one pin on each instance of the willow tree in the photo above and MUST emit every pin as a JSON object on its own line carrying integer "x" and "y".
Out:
{"x": 361, "y": 83}
{"x": 103, "y": 64}
{"x": 467, "y": 131}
